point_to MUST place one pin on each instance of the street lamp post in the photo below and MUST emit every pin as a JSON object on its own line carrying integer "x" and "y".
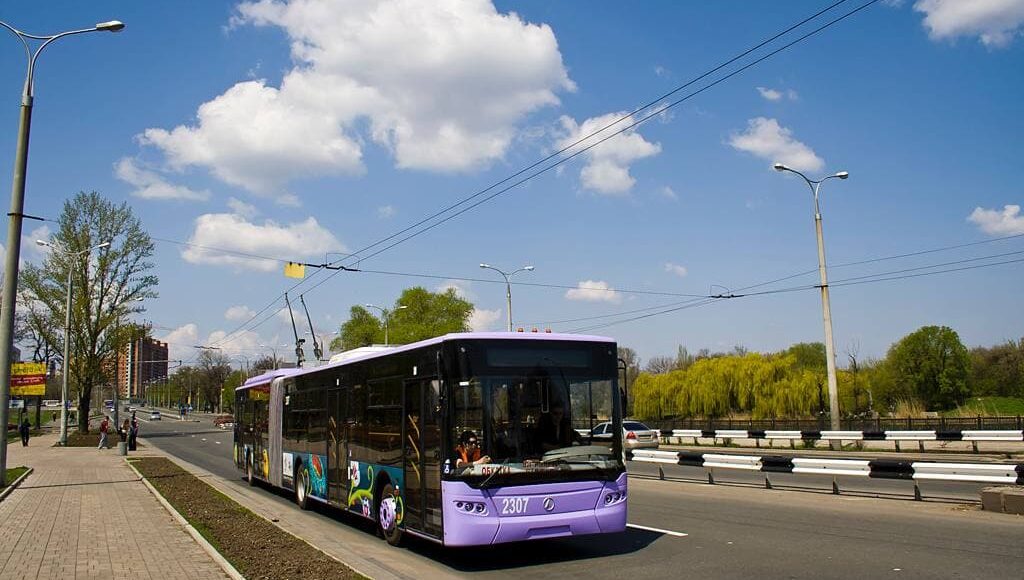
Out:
{"x": 830, "y": 349}
{"x": 508, "y": 286}
{"x": 17, "y": 205}
{"x": 386, "y": 314}
{"x": 72, "y": 258}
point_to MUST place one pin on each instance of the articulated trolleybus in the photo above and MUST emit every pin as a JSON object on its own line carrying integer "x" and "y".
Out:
{"x": 464, "y": 439}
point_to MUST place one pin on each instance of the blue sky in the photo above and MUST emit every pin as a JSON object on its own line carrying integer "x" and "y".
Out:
{"x": 293, "y": 129}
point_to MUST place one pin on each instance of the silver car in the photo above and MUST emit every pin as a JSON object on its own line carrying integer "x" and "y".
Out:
{"x": 635, "y": 435}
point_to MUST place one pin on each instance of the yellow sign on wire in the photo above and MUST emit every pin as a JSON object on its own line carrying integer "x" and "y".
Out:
{"x": 295, "y": 270}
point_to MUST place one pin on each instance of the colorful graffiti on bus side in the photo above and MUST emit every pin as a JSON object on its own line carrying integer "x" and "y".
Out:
{"x": 317, "y": 475}
{"x": 362, "y": 479}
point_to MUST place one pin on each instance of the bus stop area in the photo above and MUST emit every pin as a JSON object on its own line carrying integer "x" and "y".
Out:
{"x": 83, "y": 513}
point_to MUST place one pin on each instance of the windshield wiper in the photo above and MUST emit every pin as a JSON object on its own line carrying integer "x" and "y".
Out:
{"x": 501, "y": 467}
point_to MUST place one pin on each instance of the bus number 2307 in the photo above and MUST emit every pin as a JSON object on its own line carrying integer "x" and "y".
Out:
{"x": 514, "y": 505}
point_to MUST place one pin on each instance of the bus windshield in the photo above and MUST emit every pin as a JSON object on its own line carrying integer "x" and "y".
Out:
{"x": 533, "y": 426}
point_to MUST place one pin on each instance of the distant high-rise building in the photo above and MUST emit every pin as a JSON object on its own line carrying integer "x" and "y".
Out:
{"x": 148, "y": 364}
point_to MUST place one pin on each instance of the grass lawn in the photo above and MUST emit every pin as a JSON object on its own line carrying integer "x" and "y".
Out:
{"x": 989, "y": 407}
{"x": 12, "y": 474}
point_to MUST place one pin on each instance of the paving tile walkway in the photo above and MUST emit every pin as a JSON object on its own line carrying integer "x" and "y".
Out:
{"x": 83, "y": 513}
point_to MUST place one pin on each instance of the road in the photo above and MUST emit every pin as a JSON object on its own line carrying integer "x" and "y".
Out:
{"x": 730, "y": 530}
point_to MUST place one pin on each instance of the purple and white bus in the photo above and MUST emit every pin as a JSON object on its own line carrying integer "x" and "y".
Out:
{"x": 381, "y": 432}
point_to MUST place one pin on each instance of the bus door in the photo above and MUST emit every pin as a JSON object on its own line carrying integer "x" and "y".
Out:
{"x": 337, "y": 446}
{"x": 422, "y": 443}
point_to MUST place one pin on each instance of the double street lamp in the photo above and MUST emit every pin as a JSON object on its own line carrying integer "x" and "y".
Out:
{"x": 508, "y": 286}
{"x": 830, "y": 349}
{"x": 72, "y": 258}
{"x": 17, "y": 206}
{"x": 386, "y": 315}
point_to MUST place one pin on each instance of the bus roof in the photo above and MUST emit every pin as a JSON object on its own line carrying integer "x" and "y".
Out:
{"x": 266, "y": 377}
{"x": 374, "y": 353}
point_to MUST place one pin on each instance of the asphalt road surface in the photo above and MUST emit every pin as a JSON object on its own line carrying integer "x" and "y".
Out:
{"x": 684, "y": 527}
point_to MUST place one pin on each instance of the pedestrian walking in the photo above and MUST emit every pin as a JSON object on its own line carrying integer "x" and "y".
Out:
{"x": 104, "y": 429}
{"x": 123, "y": 432}
{"x": 133, "y": 433}
{"x": 23, "y": 430}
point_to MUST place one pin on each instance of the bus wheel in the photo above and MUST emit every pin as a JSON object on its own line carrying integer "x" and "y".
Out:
{"x": 387, "y": 515}
{"x": 250, "y": 473}
{"x": 302, "y": 487}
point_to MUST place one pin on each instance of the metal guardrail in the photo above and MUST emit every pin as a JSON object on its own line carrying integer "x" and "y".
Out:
{"x": 856, "y": 424}
{"x": 973, "y": 436}
{"x": 1005, "y": 473}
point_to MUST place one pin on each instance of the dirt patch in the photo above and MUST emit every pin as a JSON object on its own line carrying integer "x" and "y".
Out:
{"x": 257, "y": 548}
{"x": 76, "y": 439}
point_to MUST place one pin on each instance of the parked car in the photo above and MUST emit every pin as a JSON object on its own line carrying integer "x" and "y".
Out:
{"x": 224, "y": 421}
{"x": 636, "y": 435}
{"x": 154, "y": 415}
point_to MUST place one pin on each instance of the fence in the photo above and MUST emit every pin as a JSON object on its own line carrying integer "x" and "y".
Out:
{"x": 1000, "y": 473}
{"x": 862, "y": 424}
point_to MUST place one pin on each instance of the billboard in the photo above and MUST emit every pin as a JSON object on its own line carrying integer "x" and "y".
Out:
{"x": 28, "y": 379}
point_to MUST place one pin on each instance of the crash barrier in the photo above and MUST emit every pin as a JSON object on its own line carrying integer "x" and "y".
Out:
{"x": 974, "y": 436}
{"x": 1005, "y": 473}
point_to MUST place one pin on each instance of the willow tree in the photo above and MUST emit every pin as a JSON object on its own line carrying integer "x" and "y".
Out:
{"x": 108, "y": 285}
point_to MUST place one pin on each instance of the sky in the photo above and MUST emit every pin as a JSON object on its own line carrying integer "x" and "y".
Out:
{"x": 248, "y": 134}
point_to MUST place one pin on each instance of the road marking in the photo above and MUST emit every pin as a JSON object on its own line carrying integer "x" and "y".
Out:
{"x": 203, "y": 439}
{"x": 659, "y": 530}
{"x": 217, "y": 442}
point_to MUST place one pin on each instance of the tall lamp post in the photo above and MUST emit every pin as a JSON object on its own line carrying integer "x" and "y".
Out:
{"x": 508, "y": 286}
{"x": 830, "y": 349}
{"x": 17, "y": 205}
{"x": 72, "y": 257}
{"x": 386, "y": 314}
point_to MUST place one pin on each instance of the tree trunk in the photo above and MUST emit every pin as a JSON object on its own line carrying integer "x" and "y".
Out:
{"x": 83, "y": 408}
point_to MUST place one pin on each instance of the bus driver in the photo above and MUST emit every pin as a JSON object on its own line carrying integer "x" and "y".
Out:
{"x": 468, "y": 451}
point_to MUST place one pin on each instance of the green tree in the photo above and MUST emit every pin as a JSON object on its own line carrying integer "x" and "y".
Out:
{"x": 999, "y": 370}
{"x": 108, "y": 286}
{"x": 933, "y": 365}
{"x": 214, "y": 368}
{"x": 227, "y": 394}
{"x": 418, "y": 314}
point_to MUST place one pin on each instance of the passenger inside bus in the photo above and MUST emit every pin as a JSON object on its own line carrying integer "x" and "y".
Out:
{"x": 468, "y": 451}
{"x": 555, "y": 430}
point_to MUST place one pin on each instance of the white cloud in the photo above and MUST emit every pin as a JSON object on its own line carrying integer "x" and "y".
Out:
{"x": 240, "y": 312}
{"x": 150, "y": 185}
{"x": 776, "y": 94}
{"x": 594, "y": 291}
{"x": 385, "y": 211}
{"x": 607, "y": 166}
{"x": 994, "y": 22}
{"x": 668, "y": 193}
{"x": 239, "y": 207}
{"x": 441, "y": 84}
{"x": 767, "y": 139}
{"x": 661, "y": 71}
{"x": 29, "y": 245}
{"x": 234, "y": 233}
{"x": 243, "y": 347}
{"x": 462, "y": 289}
{"x": 181, "y": 341}
{"x": 482, "y": 319}
{"x": 998, "y": 223}
{"x": 675, "y": 269}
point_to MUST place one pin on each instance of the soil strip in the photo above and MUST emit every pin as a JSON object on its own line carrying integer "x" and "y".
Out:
{"x": 256, "y": 547}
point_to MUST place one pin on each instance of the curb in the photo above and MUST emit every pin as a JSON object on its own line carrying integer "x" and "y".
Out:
{"x": 15, "y": 483}
{"x": 207, "y": 547}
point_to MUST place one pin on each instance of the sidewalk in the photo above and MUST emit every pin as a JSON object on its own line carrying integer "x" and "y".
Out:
{"x": 83, "y": 513}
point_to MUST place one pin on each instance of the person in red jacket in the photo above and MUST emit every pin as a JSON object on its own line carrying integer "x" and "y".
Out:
{"x": 104, "y": 429}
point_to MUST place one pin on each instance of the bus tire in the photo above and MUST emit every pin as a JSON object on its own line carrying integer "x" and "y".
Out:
{"x": 387, "y": 512}
{"x": 302, "y": 486}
